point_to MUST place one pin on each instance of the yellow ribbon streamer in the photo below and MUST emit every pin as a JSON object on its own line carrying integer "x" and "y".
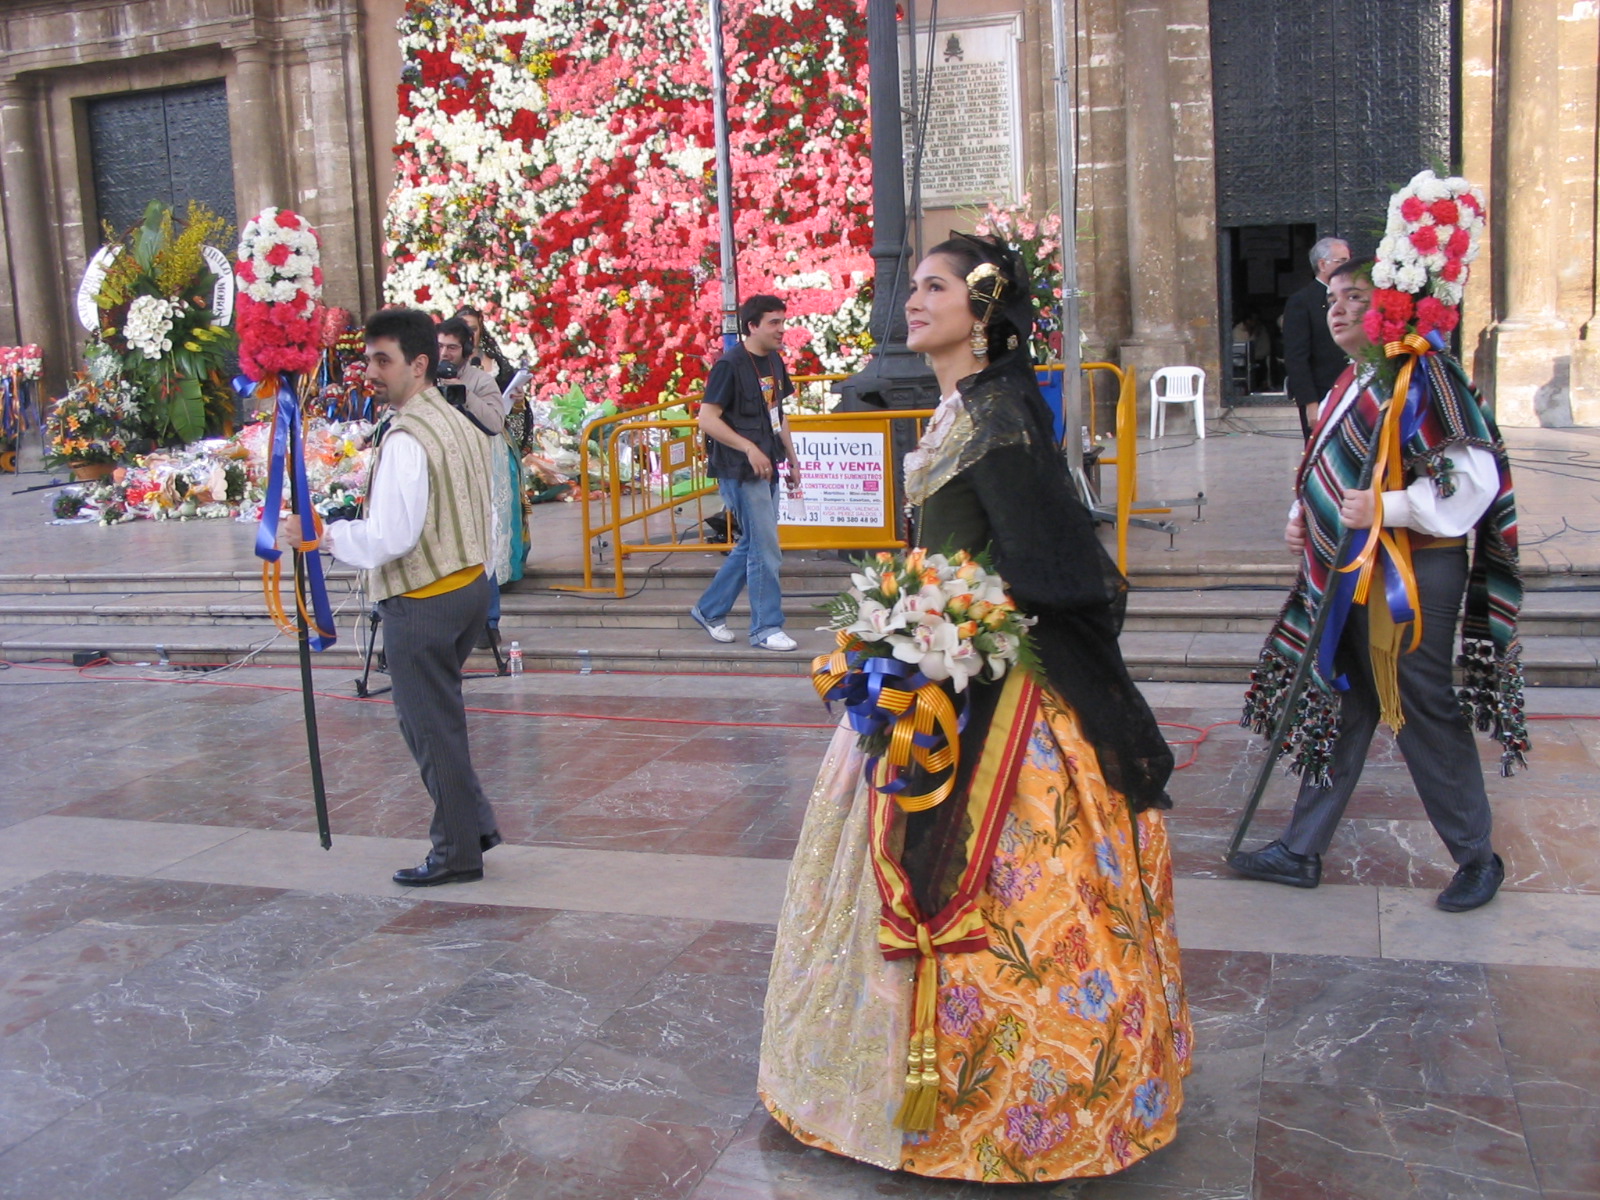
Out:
{"x": 917, "y": 713}
{"x": 1388, "y": 474}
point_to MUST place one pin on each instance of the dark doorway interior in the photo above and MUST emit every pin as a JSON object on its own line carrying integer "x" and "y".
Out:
{"x": 1321, "y": 111}
{"x": 170, "y": 145}
{"x": 1262, "y": 265}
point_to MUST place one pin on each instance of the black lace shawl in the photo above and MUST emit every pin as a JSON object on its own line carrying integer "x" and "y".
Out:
{"x": 1042, "y": 541}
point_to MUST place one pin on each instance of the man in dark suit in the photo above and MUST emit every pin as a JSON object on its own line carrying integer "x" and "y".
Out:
{"x": 1310, "y": 358}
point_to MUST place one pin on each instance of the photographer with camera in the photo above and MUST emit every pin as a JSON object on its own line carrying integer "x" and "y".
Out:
{"x": 422, "y": 545}
{"x": 474, "y": 391}
{"x": 482, "y": 401}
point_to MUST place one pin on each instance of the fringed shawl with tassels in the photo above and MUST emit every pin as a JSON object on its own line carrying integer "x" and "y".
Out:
{"x": 1491, "y": 694}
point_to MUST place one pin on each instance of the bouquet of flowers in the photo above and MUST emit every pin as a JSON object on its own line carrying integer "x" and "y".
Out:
{"x": 93, "y": 423}
{"x": 280, "y": 287}
{"x": 1432, "y": 235}
{"x": 155, "y": 296}
{"x": 949, "y": 617}
{"x": 909, "y": 625}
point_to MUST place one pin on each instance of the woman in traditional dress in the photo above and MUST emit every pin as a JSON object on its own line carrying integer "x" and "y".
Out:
{"x": 1040, "y": 891}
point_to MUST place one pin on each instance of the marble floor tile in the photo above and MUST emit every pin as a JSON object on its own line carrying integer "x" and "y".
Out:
{"x": 472, "y": 922}
{"x": 1547, "y": 1019}
{"x": 703, "y": 1028}
{"x": 71, "y": 963}
{"x": 609, "y": 956}
{"x": 374, "y": 1157}
{"x": 1348, "y": 1142}
{"x": 129, "y": 1144}
{"x": 1379, "y": 1023}
{"x": 1527, "y": 928}
{"x": 53, "y": 843}
{"x": 1242, "y": 914}
{"x": 764, "y": 1163}
{"x": 553, "y": 1154}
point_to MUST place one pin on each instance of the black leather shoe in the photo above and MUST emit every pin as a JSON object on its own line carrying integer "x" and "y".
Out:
{"x": 1474, "y": 885}
{"x": 1276, "y": 863}
{"x": 432, "y": 874}
{"x": 489, "y": 841}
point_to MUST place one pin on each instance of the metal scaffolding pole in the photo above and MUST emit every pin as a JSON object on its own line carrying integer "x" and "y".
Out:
{"x": 719, "y": 108}
{"x": 1072, "y": 423}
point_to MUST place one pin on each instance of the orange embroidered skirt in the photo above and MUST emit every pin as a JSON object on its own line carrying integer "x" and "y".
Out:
{"x": 1062, "y": 1048}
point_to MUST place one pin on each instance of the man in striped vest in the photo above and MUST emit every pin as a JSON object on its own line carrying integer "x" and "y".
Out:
{"x": 1457, "y": 489}
{"x": 422, "y": 543}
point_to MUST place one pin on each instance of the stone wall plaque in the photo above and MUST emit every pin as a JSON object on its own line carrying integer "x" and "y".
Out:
{"x": 973, "y": 150}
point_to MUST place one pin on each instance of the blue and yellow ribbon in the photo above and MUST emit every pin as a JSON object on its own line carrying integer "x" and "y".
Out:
{"x": 886, "y": 696}
{"x": 319, "y": 621}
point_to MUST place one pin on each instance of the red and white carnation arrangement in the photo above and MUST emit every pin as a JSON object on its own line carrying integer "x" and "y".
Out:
{"x": 280, "y": 292}
{"x": 26, "y": 361}
{"x": 1433, "y": 233}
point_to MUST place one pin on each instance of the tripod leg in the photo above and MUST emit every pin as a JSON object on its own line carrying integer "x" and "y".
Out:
{"x": 493, "y": 631}
{"x": 372, "y": 643}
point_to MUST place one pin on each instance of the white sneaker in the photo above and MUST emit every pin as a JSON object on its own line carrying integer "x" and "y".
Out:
{"x": 776, "y": 640}
{"x": 719, "y": 632}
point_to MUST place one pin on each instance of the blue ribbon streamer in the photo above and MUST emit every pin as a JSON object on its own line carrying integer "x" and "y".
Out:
{"x": 1343, "y": 585}
{"x": 288, "y": 410}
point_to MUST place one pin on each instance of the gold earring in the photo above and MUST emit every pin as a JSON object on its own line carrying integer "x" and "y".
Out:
{"x": 980, "y": 340}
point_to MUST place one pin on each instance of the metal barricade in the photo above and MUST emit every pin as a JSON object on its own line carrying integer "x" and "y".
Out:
{"x": 653, "y": 494}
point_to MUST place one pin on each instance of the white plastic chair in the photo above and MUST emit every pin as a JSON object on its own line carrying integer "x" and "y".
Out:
{"x": 1183, "y": 385}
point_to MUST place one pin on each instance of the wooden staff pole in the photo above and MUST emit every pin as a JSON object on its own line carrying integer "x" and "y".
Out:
{"x": 1297, "y": 685}
{"x": 319, "y": 794}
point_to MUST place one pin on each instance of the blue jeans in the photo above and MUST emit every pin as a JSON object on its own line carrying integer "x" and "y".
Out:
{"x": 754, "y": 560}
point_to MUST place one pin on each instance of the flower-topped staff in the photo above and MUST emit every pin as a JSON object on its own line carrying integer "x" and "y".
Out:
{"x": 280, "y": 293}
{"x": 280, "y": 286}
{"x": 1422, "y": 263}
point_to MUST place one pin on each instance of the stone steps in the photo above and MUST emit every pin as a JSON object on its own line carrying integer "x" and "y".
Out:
{"x": 1208, "y": 632}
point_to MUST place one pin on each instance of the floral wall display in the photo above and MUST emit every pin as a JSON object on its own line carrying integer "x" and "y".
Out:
{"x": 557, "y": 169}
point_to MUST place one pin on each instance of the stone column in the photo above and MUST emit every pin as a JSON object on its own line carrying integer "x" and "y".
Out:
{"x": 1158, "y": 340}
{"x": 260, "y": 178}
{"x": 34, "y": 277}
{"x": 1530, "y": 346}
{"x": 334, "y": 209}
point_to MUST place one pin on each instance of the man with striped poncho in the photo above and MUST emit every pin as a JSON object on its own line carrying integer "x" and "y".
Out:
{"x": 1449, "y": 486}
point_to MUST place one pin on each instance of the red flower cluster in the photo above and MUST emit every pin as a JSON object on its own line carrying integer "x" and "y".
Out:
{"x": 1388, "y": 315}
{"x": 278, "y": 335}
{"x": 275, "y": 339}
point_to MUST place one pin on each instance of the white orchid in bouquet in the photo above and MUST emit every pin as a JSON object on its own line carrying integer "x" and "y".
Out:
{"x": 947, "y": 615}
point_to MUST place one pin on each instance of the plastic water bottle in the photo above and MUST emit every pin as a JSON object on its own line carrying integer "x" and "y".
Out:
{"x": 514, "y": 658}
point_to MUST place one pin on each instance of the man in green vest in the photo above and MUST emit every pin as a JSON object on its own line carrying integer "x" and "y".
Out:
{"x": 422, "y": 544}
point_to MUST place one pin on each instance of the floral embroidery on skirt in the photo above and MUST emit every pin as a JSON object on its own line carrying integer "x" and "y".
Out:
{"x": 1062, "y": 1048}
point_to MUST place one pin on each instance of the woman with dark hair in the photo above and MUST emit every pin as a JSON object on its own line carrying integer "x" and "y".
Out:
{"x": 1059, "y": 1034}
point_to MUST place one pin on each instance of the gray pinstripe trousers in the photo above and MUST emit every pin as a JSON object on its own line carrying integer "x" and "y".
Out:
{"x": 1435, "y": 740}
{"x": 426, "y": 643}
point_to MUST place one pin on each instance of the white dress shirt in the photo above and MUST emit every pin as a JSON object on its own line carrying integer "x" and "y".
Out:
{"x": 1420, "y": 506}
{"x": 397, "y": 508}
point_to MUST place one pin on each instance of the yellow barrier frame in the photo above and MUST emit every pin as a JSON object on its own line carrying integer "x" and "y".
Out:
{"x": 607, "y": 431}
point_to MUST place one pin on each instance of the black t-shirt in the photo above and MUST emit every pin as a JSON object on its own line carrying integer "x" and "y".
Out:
{"x": 750, "y": 392}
